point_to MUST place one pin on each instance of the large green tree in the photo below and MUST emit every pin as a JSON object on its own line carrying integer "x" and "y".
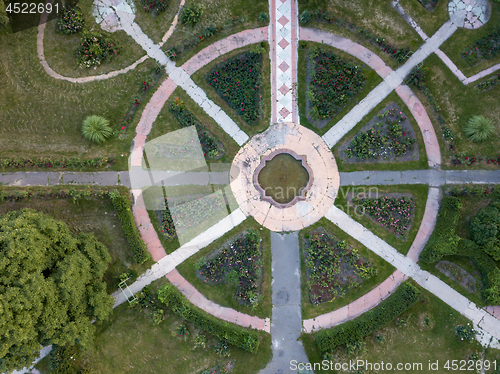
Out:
{"x": 51, "y": 286}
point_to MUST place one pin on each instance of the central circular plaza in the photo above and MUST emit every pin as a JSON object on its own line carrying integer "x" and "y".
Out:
{"x": 283, "y": 178}
{"x": 298, "y": 188}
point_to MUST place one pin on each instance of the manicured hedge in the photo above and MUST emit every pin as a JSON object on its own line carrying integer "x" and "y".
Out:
{"x": 233, "y": 334}
{"x": 352, "y": 331}
{"x": 124, "y": 211}
{"x": 443, "y": 240}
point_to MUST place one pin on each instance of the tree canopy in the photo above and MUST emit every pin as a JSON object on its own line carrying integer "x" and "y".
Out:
{"x": 51, "y": 286}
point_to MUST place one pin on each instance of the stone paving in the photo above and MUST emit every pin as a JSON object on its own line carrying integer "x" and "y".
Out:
{"x": 319, "y": 197}
{"x": 470, "y": 14}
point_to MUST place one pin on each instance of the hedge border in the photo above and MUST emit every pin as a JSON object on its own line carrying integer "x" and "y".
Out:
{"x": 354, "y": 330}
{"x": 238, "y": 336}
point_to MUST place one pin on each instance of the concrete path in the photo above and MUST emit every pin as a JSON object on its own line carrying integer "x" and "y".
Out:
{"x": 428, "y": 176}
{"x": 480, "y": 318}
{"x": 286, "y": 322}
{"x": 447, "y": 61}
{"x": 391, "y": 81}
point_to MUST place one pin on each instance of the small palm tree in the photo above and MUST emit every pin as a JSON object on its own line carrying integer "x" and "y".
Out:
{"x": 479, "y": 128}
{"x": 96, "y": 129}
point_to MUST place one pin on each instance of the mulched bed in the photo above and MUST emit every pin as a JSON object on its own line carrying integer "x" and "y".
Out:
{"x": 332, "y": 266}
{"x": 429, "y": 4}
{"x": 370, "y": 146}
{"x": 456, "y": 273}
{"x": 237, "y": 262}
{"x": 391, "y": 220}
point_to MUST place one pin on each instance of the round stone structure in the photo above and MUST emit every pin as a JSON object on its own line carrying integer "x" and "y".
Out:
{"x": 324, "y": 177}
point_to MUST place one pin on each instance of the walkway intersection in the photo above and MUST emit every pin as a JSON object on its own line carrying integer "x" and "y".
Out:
{"x": 286, "y": 322}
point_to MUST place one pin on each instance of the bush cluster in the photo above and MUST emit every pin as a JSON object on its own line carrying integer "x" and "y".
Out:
{"x": 69, "y": 20}
{"x": 355, "y": 330}
{"x": 445, "y": 242}
{"x": 334, "y": 83}
{"x": 483, "y": 49}
{"x": 237, "y": 80}
{"x": 124, "y": 212}
{"x": 95, "y": 48}
{"x": 191, "y": 13}
{"x": 233, "y": 334}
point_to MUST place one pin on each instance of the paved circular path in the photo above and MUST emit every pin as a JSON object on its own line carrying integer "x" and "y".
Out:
{"x": 321, "y": 194}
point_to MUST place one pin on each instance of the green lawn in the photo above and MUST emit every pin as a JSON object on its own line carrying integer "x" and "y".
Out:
{"x": 463, "y": 38}
{"x": 412, "y": 343}
{"x": 60, "y": 48}
{"x": 421, "y": 163}
{"x": 130, "y": 343}
{"x": 458, "y": 103}
{"x": 95, "y": 215}
{"x": 429, "y": 22}
{"x": 419, "y": 193}
{"x": 156, "y": 26}
{"x": 377, "y": 16}
{"x": 265, "y": 90}
{"x": 384, "y": 269}
{"x": 372, "y": 79}
{"x": 223, "y": 294}
{"x": 42, "y": 116}
{"x": 217, "y": 13}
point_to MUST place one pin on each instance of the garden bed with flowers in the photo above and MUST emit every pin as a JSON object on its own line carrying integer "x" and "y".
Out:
{"x": 388, "y": 137}
{"x": 394, "y": 212}
{"x": 212, "y": 148}
{"x": 332, "y": 83}
{"x": 238, "y": 81}
{"x": 237, "y": 263}
{"x": 332, "y": 266}
{"x": 483, "y": 49}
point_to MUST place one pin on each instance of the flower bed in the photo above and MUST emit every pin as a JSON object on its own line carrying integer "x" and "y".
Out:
{"x": 483, "y": 49}
{"x": 154, "y": 6}
{"x": 167, "y": 226}
{"x": 69, "y": 20}
{"x": 212, "y": 147}
{"x": 241, "y": 259}
{"x": 332, "y": 267}
{"x": 394, "y": 213}
{"x": 237, "y": 80}
{"x": 95, "y": 48}
{"x": 389, "y": 136}
{"x": 456, "y": 273}
{"x": 429, "y": 4}
{"x": 333, "y": 83}
{"x": 319, "y": 15}
{"x": 239, "y": 262}
{"x": 72, "y": 162}
{"x": 488, "y": 83}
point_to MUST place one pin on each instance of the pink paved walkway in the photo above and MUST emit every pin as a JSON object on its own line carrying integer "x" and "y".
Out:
{"x": 347, "y": 45}
{"x": 227, "y": 314}
{"x": 357, "y": 307}
{"x": 427, "y": 225}
{"x": 221, "y": 47}
{"x": 424, "y": 123}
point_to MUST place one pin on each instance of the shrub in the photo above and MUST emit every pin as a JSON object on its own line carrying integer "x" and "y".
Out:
{"x": 263, "y": 17}
{"x": 465, "y": 332}
{"x": 237, "y": 80}
{"x": 124, "y": 212}
{"x": 232, "y": 334}
{"x": 191, "y": 13}
{"x": 96, "y": 129}
{"x": 69, "y": 20}
{"x": 353, "y": 331}
{"x": 484, "y": 225}
{"x": 154, "y": 6}
{"x": 94, "y": 49}
{"x": 478, "y": 128}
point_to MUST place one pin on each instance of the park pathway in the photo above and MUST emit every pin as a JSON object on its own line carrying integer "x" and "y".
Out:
{"x": 286, "y": 321}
